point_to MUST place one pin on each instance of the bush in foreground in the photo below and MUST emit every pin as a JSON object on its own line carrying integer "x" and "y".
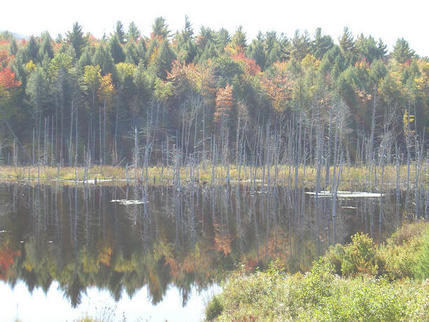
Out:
{"x": 320, "y": 295}
{"x": 359, "y": 281}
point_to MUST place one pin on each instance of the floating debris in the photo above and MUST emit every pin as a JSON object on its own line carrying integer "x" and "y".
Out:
{"x": 126, "y": 202}
{"x": 246, "y": 181}
{"x": 348, "y": 194}
{"x": 95, "y": 181}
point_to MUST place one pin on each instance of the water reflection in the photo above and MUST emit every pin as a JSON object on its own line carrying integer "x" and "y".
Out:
{"x": 184, "y": 239}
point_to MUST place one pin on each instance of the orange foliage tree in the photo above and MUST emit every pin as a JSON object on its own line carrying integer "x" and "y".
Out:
{"x": 278, "y": 87}
{"x": 7, "y": 79}
{"x": 224, "y": 105}
{"x": 249, "y": 64}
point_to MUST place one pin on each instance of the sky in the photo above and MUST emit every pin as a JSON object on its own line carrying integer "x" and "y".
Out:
{"x": 388, "y": 20}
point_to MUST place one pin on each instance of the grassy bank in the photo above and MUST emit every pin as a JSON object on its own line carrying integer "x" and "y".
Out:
{"x": 351, "y": 178}
{"x": 357, "y": 282}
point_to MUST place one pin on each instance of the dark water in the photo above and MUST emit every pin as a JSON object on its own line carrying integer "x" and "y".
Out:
{"x": 74, "y": 240}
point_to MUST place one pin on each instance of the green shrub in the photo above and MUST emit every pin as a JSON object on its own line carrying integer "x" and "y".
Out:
{"x": 397, "y": 258}
{"x": 322, "y": 296}
{"x": 407, "y": 232}
{"x": 421, "y": 269}
{"x": 214, "y": 308}
{"x": 358, "y": 257}
{"x": 369, "y": 299}
{"x": 400, "y": 253}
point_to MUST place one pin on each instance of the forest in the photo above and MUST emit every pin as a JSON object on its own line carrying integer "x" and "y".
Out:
{"x": 182, "y": 98}
{"x": 232, "y": 145}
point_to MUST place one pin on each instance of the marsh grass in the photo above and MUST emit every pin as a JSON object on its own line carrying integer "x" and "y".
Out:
{"x": 352, "y": 178}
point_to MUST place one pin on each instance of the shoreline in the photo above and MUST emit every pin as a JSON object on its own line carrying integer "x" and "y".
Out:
{"x": 353, "y": 178}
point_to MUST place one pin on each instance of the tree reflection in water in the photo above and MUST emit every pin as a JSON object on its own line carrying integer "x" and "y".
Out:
{"x": 184, "y": 239}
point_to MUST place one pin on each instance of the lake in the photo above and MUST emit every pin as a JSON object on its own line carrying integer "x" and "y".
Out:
{"x": 109, "y": 252}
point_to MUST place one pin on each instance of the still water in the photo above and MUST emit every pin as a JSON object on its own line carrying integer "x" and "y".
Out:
{"x": 71, "y": 251}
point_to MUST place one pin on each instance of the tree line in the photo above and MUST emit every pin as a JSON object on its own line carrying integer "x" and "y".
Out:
{"x": 186, "y": 98}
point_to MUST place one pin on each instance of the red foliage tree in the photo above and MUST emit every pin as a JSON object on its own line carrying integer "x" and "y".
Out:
{"x": 7, "y": 79}
{"x": 249, "y": 64}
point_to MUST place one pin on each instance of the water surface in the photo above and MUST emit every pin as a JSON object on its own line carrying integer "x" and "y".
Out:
{"x": 67, "y": 251}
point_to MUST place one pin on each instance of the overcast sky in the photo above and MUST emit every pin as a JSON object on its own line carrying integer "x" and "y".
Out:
{"x": 388, "y": 20}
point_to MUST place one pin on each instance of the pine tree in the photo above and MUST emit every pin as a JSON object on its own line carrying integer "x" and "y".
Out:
{"x": 162, "y": 63}
{"x": 347, "y": 46}
{"x": 321, "y": 44}
{"x": 186, "y": 48}
{"x": 85, "y": 58}
{"x": 46, "y": 47}
{"x": 222, "y": 39}
{"x": 141, "y": 50}
{"x": 119, "y": 32}
{"x": 32, "y": 50}
{"x": 131, "y": 53}
{"x": 402, "y": 51}
{"x": 13, "y": 47}
{"x": 238, "y": 41}
{"x": 77, "y": 39}
{"x": 116, "y": 50}
{"x": 256, "y": 51}
{"x": 133, "y": 32}
{"x": 103, "y": 58}
{"x": 160, "y": 28}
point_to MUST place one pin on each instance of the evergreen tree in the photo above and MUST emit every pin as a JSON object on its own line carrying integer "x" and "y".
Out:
{"x": 239, "y": 41}
{"x": 186, "y": 48}
{"x": 347, "y": 46}
{"x": 85, "y": 58}
{"x": 143, "y": 82}
{"x": 301, "y": 45}
{"x": 133, "y": 32}
{"x": 32, "y": 50}
{"x": 222, "y": 39}
{"x": 103, "y": 58}
{"x": 321, "y": 44}
{"x": 46, "y": 47}
{"x": 13, "y": 47}
{"x": 116, "y": 50}
{"x": 141, "y": 51}
{"x": 131, "y": 53}
{"x": 402, "y": 51}
{"x": 160, "y": 28}
{"x": 38, "y": 92}
{"x": 162, "y": 63}
{"x": 368, "y": 49}
{"x": 209, "y": 52}
{"x": 382, "y": 48}
{"x": 119, "y": 32}
{"x": 77, "y": 39}
{"x": 205, "y": 37}
{"x": 256, "y": 51}
{"x": 275, "y": 48}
